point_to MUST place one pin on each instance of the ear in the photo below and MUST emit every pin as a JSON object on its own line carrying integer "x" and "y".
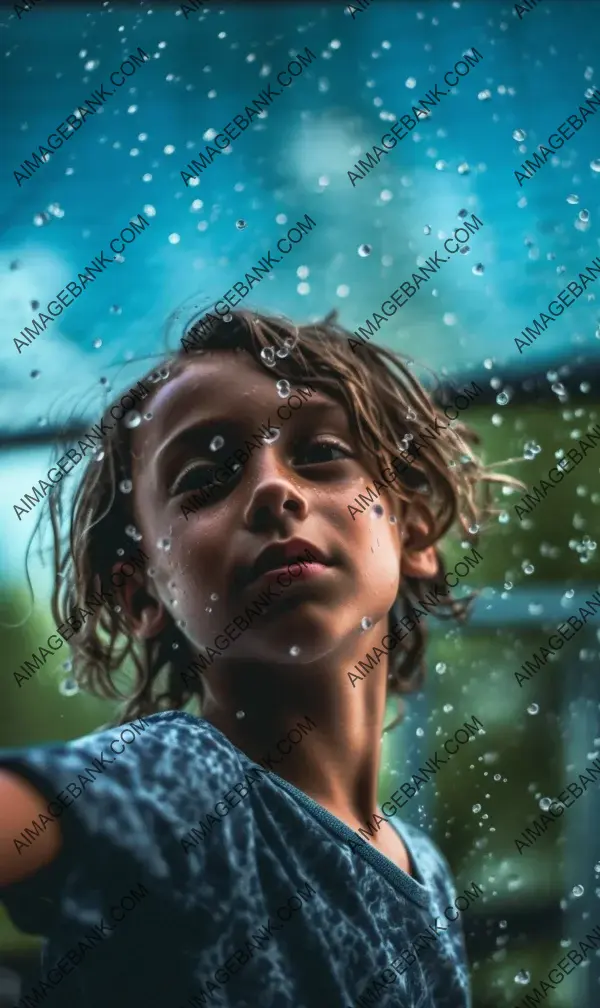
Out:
{"x": 146, "y": 614}
{"x": 416, "y": 561}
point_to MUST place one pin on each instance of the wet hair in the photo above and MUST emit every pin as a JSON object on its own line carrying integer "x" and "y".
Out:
{"x": 447, "y": 485}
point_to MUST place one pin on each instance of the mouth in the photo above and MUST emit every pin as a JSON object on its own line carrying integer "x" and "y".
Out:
{"x": 277, "y": 558}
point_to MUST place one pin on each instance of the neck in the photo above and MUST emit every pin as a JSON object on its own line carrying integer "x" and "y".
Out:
{"x": 316, "y": 725}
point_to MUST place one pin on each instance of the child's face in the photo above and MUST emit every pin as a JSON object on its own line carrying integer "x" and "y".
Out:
{"x": 298, "y": 487}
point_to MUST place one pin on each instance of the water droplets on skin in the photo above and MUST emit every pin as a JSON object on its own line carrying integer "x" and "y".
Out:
{"x": 126, "y": 486}
{"x": 214, "y": 597}
{"x": 271, "y": 437}
{"x": 283, "y": 388}
{"x": 132, "y": 419}
{"x": 366, "y": 623}
{"x": 378, "y": 510}
{"x": 473, "y": 529}
{"x": 294, "y": 651}
{"x": 523, "y": 977}
{"x": 364, "y": 250}
{"x": 533, "y": 708}
{"x": 217, "y": 443}
{"x": 132, "y": 532}
{"x": 577, "y": 891}
{"x": 519, "y": 135}
{"x": 164, "y": 544}
{"x": 393, "y": 520}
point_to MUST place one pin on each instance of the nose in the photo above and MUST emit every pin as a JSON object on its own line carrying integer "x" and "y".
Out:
{"x": 275, "y": 493}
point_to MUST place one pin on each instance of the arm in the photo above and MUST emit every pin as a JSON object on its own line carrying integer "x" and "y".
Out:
{"x": 20, "y": 803}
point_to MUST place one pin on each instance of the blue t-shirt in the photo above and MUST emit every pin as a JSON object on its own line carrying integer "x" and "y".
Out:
{"x": 189, "y": 876}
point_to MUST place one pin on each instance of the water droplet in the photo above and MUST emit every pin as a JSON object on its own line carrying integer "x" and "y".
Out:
{"x": 573, "y": 198}
{"x": 519, "y": 135}
{"x": 427, "y": 229}
{"x": 441, "y": 667}
{"x": 473, "y": 529}
{"x": 240, "y": 224}
{"x": 447, "y": 708}
{"x": 410, "y": 82}
{"x": 214, "y": 597}
{"x": 528, "y": 568}
{"x": 484, "y": 95}
{"x": 281, "y": 353}
{"x": 476, "y": 808}
{"x": 533, "y": 708}
{"x": 68, "y": 687}
{"x": 283, "y": 388}
{"x": 216, "y": 443}
{"x": 294, "y": 651}
{"x": 545, "y": 804}
{"x": 131, "y": 531}
{"x": 449, "y": 319}
{"x": 463, "y": 169}
{"x": 290, "y": 342}
{"x": 378, "y": 510}
{"x": 584, "y": 215}
{"x": 240, "y": 714}
{"x": 164, "y": 544}
{"x": 366, "y": 623}
{"x": 462, "y": 214}
{"x": 148, "y": 416}
{"x": 577, "y": 891}
{"x": 595, "y": 166}
{"x": 271, "y": 437}
{"x": 502, "y": 398}
{"x": 393, "y": 519}
{"x": 364, "y": 250}
{"x": 34, "y": 374}
{"x": 97, "y": 343}
{"x": 465, "y": 250}
{"x": 132, "y": 419}
{"x": 126, "y": 486}
{"x": 174, "y": 238}
{"x": 478, "y": 269}
{"x": 523, "y": 977}
{"x": 268, "y": 356}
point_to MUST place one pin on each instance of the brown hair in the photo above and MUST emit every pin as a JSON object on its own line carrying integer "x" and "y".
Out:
{"x": 387, "y": 406}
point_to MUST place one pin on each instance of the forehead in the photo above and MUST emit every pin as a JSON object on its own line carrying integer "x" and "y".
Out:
{"x": 223, "y": 384}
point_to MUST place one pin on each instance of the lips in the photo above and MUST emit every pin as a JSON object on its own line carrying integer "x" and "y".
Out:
{"x": 281, "y": 554}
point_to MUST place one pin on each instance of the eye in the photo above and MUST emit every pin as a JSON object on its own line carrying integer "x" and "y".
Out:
{"x": 325, "y": 450}
{"x": 197, "y": 477}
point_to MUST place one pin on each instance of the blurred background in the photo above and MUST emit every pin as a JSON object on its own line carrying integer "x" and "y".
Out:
{"x": 369, "y": 69}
